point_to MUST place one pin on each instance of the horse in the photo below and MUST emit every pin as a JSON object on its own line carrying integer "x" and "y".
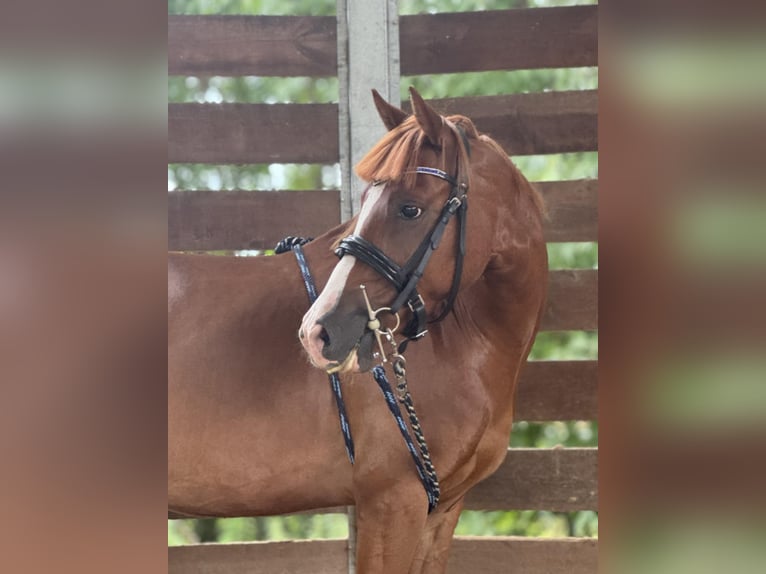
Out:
{"x": 252, "y": 422}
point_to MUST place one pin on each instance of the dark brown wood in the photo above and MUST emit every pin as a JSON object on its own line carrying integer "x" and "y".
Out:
{"x": 208, "y": 221}
{"x": 252, "y": 133}
{"x": 538, "y": 123}
{"x": 528, "y": 38}
{"x": 469, "y": 555}
{"x": 213, "y": 220}
{"x": 517, "y": 555}
{"x": 252, "y": 46}
{"x": 555, "y": 479}
{"x": 541, "y": 123}
{"x": 293, "y": 557}
{"x": 572, "y": 301}
{"x": 558, "y": 479}
{"x": 558, "y": 391}
{"x": 572, "y": 209}
{"x": 531, "y": 38}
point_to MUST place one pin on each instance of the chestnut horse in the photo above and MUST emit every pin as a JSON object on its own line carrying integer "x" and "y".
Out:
{"x": 253, "y": 427}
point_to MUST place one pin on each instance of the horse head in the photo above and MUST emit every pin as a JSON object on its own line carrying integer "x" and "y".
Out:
{"x": 414, "y": 247}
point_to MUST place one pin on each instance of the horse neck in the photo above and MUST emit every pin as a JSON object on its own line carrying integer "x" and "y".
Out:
{"x": 502, "y": 309}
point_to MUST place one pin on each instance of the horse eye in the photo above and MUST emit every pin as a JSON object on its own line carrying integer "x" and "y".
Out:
{"x": 410, "y": 211}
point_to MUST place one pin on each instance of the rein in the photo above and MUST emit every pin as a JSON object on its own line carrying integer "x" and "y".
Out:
{"x": 295, "y": 244}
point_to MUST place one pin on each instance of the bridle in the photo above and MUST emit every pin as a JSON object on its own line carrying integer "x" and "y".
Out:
{"x": 405, "y": 278}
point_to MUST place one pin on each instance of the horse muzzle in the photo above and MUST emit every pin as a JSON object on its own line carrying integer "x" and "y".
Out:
{"x": 338, "y": 346}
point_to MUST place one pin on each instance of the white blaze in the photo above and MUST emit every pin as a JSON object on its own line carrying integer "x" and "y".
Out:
{"x": 330, "y": 295}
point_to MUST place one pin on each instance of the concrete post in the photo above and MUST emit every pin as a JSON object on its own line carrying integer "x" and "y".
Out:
{"x": 368, "y": 57}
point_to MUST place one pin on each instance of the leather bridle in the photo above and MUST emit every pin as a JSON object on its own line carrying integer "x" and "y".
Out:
{"x": 405, "y": 278}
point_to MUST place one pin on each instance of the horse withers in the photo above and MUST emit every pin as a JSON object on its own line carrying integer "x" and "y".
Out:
{"x": 253, "y": 428}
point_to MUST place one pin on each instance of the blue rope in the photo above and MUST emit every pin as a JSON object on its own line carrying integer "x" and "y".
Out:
{"x": 432, "y": 489}
{"x": 334, "y": 379}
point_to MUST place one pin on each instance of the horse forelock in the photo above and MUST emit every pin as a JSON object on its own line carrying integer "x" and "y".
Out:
{"x": 396, "y": 154}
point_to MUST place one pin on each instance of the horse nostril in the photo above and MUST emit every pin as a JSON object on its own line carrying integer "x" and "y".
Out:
{"x": 325, "y": 337}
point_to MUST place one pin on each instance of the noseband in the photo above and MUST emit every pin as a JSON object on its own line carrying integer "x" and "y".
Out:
{"x": 405, "y": 278}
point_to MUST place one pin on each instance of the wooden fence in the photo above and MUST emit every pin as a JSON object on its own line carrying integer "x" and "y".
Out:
{"x": 559, "y": 479}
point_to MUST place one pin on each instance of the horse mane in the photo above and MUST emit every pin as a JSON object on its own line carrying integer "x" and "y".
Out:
{"x": 395, "y": 157}
{"x": 519, "y": 179}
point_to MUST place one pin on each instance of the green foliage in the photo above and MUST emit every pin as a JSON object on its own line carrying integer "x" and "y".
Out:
{"x": 499, "y": 82}
{"x": 433, "y": 6}
{"x": 539, "y": 523}
{"x": 270, "y": 7}
{"x": 573, "y": 255}
{"x": 327, "y": 7}
{"x": 251, "y": 90}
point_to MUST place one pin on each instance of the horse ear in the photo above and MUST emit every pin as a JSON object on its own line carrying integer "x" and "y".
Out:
{"x": 429, "y": 119}
{"x": 391, "y": 115}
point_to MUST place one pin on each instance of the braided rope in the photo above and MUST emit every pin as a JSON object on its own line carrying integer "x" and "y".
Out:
{"x": 295, "y": 244}
{"x": 290, "y": 242}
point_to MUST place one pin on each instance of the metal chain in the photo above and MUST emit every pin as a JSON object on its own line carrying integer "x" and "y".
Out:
{"x": 398, "y": 364}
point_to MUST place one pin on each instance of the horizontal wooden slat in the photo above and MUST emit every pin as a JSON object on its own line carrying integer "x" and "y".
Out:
{"x": 572, "y": 301}
{"x": 557, "y": 391}
{"x": 529, "y": 38}
{"x": 517, "y": 555}
{"x": 572, "y": 209}
{"x": 469, "y": 555}
{"x": 555, "y": 479}
{"x": 524, "y": 124}
{"x": 252, "y": 45}
{"x": 537, "y": 123}
{"x": 252, "y": 133}
{"x": 292, "y": 557}
{"x": 213, "y": 220}
{"x": 558, "y": 479}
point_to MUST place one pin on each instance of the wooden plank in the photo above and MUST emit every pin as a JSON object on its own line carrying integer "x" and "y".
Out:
{"x": 537, "y": 123}
{"x": 557, "y": 479}
{"x": 522, "y": 555}
{"x": 572, "y": 209}
{"x": 212, "y": 220}
{"x": 251, "y": 46}
{"x": 252, "y": 133}
{"x": 291, "y": 557}
{"x": 540, "y": 123}
{"x": 469, "y": 555}
{"x": 572, "y": 301}
{"x": 530, "y": 38}
{"x": 557, "y": 391}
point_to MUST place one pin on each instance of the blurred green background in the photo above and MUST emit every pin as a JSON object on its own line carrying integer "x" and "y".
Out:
{"x": 572, "y": 345}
